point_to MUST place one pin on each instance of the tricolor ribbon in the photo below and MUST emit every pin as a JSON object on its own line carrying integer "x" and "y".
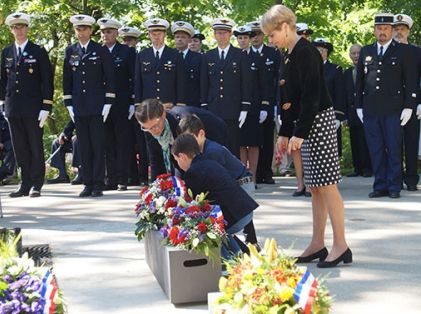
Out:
{"x": 179, "y": 187}
{"x": 48, "y": 292}
{"x": 305, "y": 292}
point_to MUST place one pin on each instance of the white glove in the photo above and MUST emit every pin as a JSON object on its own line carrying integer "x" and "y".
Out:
{"x": 263, "y": 115}
{"x": 279, "y": 120}
{"x": 360, "y": 114}
{"x": 419, "y": 111}
{"x": 337, "y": 124}
{"x": 42, "y": 117}
{"x": 131, "y": 111}
{"x": 405, "y": 116}
{"x": 106, "y": 111}
{"x": 242, "y": 118}
{"x": 71, "y": 113}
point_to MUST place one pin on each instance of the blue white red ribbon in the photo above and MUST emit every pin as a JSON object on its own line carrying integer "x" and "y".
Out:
{"x": 48, "y": 292}
{"x": 305, "y": 292}
{"x": 179, "y": 187}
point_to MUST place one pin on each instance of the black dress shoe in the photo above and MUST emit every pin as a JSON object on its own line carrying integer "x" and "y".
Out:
{"x": 35, "y": 192}
{"x": 269, "y": 180}
{"x": 122, "y": 187}
{"x": 394, "y": 194}
{"x": 97, "y": 193}
{"x": 307, "y": 194}
{"x": 19, "y": 192}
{"x": 345, "y": 257}
{"x": 321, "y": 255}
{"x": 110, "y": 187}
{"x": 87, "y": 191}
{"x": 353, "y": 175}
{"x": 411, "y": 188}
{"x": 299, "y": 193}
{"x": 59, "y": 180}
{"x": 259, "y": 180}
{"x": 77, "y": 181}
{"x": 376, "y": 194}
{"x": 367, "y": 174}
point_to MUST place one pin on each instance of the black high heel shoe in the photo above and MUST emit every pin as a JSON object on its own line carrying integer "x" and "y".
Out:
{"x": 345, "y": 257}
{"x": 299, "y": 193}
{"x": 321, "y": 255}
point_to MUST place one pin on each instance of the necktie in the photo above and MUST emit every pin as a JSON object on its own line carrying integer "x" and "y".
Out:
{"x": 157, "y": 55}
{"x": 83, "y": 50}
{"x": 19, "y": 52}
{"x": 222, "y": 55}
{"x": 381, "y": 52}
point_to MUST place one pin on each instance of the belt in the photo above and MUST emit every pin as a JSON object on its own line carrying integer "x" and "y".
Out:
{"x": 245, "y": 180}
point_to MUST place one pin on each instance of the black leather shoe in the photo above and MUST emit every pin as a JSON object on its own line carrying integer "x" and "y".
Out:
{"x": 122, "y": 187}
{"x": 19, "y": 192}
{"x": 411, "y": 188}
{"x": 97, "y": 193}
{"x": 353, "y": 175}
{"x": 376, "y": 194}
{"x": 394, "y": 194}
{"x": 87, "y": 191}
{"x": 321, "y": 255}
{"x": 367, "y": 174}
{"x": 269, "y": 180}
{"x": 299, "y": 193}
{"x": 345, "y": 257}
{"x": 77, "y": 181}
{"x": 259, "y": 181}
{"x": 35, "y": 192}
{"x": 110, "y": 187}
{"x": 59, "y": 180}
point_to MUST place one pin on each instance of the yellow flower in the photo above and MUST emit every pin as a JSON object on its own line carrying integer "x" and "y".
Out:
{"x": 286, "y": 293}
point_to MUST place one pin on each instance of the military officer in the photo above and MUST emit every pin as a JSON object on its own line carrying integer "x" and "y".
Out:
{"x": 130, "y": 35}
{"x": 158, "y": 67}
{"x": 196, "y": 42}
{"x": 117, "y": 124}
{"x": 411, "y": 131}
{"x": 304, "y": 31}
{"x": 225, "y": 82}
{"x": 335, "y": 85}
{"x": 88, "y": 93}
{"x": 359, "y": 149}
{"x": 26, "y": 89}
{"x": 385, "y": 98}
{"x": 271, "y": 60}
{"x": 190, "y": 65}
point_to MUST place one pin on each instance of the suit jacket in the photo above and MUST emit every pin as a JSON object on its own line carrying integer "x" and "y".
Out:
{"x": 336, "y": 86}
{"x": 215, "y": 128}
{"x": 124, "y": 59}
{"x": 417, "y": 55}
{"x": 258, "y": 80}
{"x": 190, "y": 79}
{"x": 225, "y": 84}
{"x": 158, "y": 78}
{"x": 351, "y": 109}
{"x": 386, "y": 85}
{"x": 205, "y": 175}
{"x": 26, "y": 85}
{"x": 88, "y": 79}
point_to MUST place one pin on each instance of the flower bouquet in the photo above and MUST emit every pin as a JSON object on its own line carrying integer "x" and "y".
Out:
{"x": 151, "y": 209}
{"x": 194, "y": 225}
{"x": 269, "y": 283}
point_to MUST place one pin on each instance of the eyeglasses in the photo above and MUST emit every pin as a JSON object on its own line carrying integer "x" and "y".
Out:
{"x": 18, "y": 26}
{"x": 153, "y": 127}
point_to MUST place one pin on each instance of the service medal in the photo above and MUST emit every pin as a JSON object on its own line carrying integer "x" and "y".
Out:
{"x": 31, "y": 70}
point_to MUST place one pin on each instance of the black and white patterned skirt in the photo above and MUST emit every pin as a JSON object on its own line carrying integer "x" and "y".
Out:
{"x": 320, "y": 152}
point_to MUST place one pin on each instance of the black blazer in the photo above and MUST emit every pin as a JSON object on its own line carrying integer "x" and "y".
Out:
{"x": 124, "y": 58}
{"x": 215, "y": 128}
{"x": 26, "y": 85}
{"x": 88, "y": 79}
{"x": 258, "y": 80}
{"x": 305, "y": 88}
{"x": 225, "y": 85}
{"x": 271, "y": 62}
{"x": 351, "y": 109}
{"x": 190, "y": 79}
{"x": 158, "y": 79}
{"x": 336, "y": 87}
{"x": 205, "y": 175}
{"x": 385, "y": 86}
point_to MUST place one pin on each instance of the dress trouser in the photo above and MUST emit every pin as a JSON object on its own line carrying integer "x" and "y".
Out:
{"x": 117, "y": 148}
{"x": 9, "y": 163}
{"x": 29, "y": 151}
{"x": 91, "y": 139}
{"x": 384, "y": 139}
{"x": 264, "y": 166}
{"x": 233, "y": 141}
{"x": 58, "y": 160}
{"x": 360, "y": 155}
{"x": 411, "y": 133}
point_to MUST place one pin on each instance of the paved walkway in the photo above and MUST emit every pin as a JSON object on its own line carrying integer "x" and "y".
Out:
{"x": 101, "y": 266}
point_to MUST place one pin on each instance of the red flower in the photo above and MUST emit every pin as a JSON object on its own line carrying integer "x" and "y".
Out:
{"x": 175, "y": 221}
{"x": 174, "y": 234}
{"x": 170, "y": 203}
{"x": 193, "y": 209}
{"x": 142, "y": 191}
{"x": 188, "y": 199}
{"x": 148, "y": 199}
{"x": 165, "y": 185}
{"x": 163, "y": 176}
{"x": 202, "y": 227}
{"x": 207, "y": 207}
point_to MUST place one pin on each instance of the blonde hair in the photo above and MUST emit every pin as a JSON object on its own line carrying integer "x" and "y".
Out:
{"x": 276, "y": 16}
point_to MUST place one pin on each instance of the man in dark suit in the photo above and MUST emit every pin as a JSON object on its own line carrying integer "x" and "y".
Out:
{"x": 271, "y": 61}
{"x": 411, "y": 131}
{"x": 359, "y": 149}
{"x": 26, "y": 88}
{"x": 190, "y": 65}
{"x": 117, "y": 124}
{"x": 89, "y": 92}
{"x": 335, "y": 85}
{"x": 161, "y": 129}
{"x": 385, "y": 98}
{"x": 225, "y": 82}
